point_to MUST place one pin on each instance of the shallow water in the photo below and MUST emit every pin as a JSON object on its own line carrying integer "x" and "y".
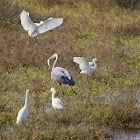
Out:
{"x": 139, "y": 101}
{"x": 121, "y": 134}
{"x": 48, "y": 108}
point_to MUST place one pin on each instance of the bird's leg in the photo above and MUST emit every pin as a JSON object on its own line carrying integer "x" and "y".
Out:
{"x": 94, "y": 75}
{"x": 73, "y": 90}
{"x": 87, "y": 77}
{"x": 17, "y": 129}
{"x": 36, "y": 42}
{"x": 28, "y": 42}
{"x": 61, "y": 88}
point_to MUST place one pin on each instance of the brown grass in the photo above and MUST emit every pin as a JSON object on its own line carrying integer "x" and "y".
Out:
{"x": 107, "y": 98}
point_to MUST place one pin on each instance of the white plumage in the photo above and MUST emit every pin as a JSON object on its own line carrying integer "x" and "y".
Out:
{"x": 23, "y": 113}
{"x": 35, "y": 28}
{"x": 85, "y": 65}
{"x": 56, "y": 102}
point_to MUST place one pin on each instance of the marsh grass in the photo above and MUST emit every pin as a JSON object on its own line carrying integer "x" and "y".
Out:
{"x": 107, "y": 98}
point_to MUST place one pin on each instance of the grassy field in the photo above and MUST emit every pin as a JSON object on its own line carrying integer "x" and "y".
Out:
{"x": 93, "y": 29}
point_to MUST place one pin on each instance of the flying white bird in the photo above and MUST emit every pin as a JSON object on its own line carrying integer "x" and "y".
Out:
{"x": 85, "y": 65}
{"x": 60, "y": 75}
{"x": 56, "y": 102}
{"x": 35, "y": 28}
{"x": 23, "y": 113}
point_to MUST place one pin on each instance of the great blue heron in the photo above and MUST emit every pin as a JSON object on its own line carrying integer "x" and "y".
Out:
{"x": 56, "y": 102}
{"x": 85, "y": 65}
{"x": 60, "y": 75}
{"x": 35, "y": 28}
{"x": 23, "y": 113}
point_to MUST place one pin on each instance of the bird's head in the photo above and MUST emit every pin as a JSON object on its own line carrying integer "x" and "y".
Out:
{"x": 95, "y": 60}
{"x": 53, "y": 56}
{"x": 52, "y": 90}
{"x": 27, "y": 91}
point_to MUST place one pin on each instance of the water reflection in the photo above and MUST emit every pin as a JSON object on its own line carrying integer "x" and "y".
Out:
{"x": 48, "y": 108}
{"x": 119, "y": 134}
{"x": 108, "y": 97}
{"x": 138, "y": 97}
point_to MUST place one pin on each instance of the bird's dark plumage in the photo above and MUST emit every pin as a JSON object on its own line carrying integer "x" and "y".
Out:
{"x": 62, "y": 76}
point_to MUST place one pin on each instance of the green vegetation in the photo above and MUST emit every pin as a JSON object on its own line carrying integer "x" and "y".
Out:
{"x": 94, "y": 29}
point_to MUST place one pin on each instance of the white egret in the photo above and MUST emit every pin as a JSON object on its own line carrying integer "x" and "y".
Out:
{"x": 35, "y": 28}
{"x": 85, "y": 65}
{"x": 56, "y": 102}
{"x": 60, "y": 75}
{"x": 23, "y": 113}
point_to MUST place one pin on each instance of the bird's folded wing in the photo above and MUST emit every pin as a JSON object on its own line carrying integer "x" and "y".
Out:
{"x": 26, "y": 22}
{"x": 66, "y": 73}
{"x": 57, "y": 101}
{"x": 49, "y": 24}
{"x": 82, "y": 61}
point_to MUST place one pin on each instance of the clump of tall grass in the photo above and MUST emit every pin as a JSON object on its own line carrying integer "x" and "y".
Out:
{"x": 122, "y": 111}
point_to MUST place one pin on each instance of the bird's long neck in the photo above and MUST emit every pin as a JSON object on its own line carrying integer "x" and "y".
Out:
{"x": 54, "y": 64}
{"x": 26, "y": 100}
{"x": 53, "y": 95}
{"x": 95, "y": 64}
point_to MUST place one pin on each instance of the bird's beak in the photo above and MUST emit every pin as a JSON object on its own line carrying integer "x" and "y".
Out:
{"x": 49, "y": 63}
{"x": 49, "y": 91}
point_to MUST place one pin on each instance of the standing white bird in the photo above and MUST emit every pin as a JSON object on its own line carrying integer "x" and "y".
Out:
{"x": 60, "y": 75}
{"x": 56, "y": 102}
{"x": 85, "y": 65}
{"x": 23, "y": 113}
{"x": 35, "y": 28}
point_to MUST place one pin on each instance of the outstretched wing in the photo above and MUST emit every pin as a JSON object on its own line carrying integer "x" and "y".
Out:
{"x": 26, "y": 22}
{"x": 49, "y": 24}
{"x": 82, "y": 61}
